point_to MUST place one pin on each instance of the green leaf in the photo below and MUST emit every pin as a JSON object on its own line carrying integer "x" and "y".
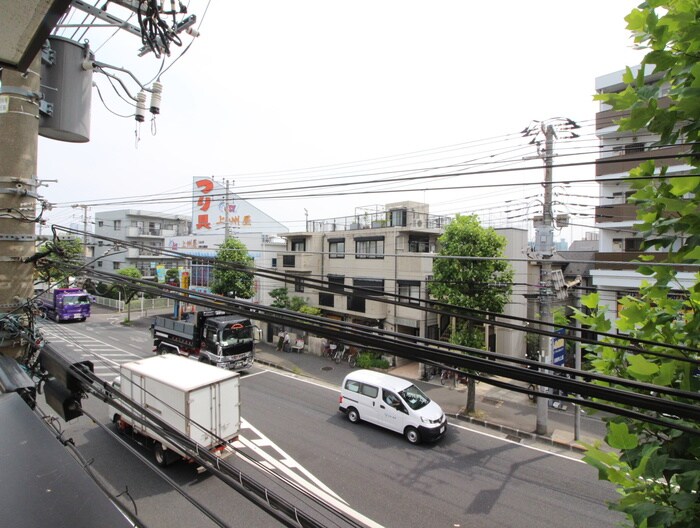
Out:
{"x": 681, "y": 186}
{"x": 591, "y": 300}
{"x": 619, "y": 436}
{"x": 640, "y": 368}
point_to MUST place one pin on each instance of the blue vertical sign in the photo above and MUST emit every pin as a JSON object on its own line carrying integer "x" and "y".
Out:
{"x": 558, "y": 348}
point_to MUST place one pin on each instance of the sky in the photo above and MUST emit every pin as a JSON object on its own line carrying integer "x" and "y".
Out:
{"x": 279, "y": 96}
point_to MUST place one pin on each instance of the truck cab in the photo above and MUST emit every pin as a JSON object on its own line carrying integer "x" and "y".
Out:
{"x": 227, "y": 343}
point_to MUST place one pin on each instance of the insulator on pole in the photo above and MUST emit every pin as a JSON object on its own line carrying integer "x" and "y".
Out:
{"x": 156, "y": 92}
{"x": 141, "y": 107}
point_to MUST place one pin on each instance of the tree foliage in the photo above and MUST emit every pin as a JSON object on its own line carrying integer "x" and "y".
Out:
{"x": 656, "y": 468}
{"x": 52, "y": 258}
{"x": 232, "y": 275}
{"x": 477, "y": 284}
{"x": 281, "y": 299}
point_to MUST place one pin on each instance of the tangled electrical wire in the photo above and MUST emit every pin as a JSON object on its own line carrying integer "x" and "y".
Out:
{"x": 156, "y": 35}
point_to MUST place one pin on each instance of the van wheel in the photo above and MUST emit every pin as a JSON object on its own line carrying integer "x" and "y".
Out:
{"x": 161, "y": 350}
{"x": 161, "y": 455}
{"x": 353, "y": 415}
{"x": 412, "y": 435}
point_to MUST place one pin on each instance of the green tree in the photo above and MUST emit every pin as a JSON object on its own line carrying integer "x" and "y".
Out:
{"x": 280, "y": 298}
{"x": 231, "y": 275}
{"x": 657, "y": 468}
{"x": 129, "y": 291}
{"x": 56, "y": 260}
{"x": 475, "y": 284}
{"x": 172, "y": 275}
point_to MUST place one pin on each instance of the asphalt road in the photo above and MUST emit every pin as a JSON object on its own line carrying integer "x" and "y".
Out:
{"x": 293, "y": 426}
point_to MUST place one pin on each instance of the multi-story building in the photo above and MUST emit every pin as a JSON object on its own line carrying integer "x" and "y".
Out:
{"x": 148, "y": 229}
{"x": 387, "y": 250}
{"x": 620, "y": 242}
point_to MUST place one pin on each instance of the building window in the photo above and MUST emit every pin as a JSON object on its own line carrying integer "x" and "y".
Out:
{"x": 369, "y": 248}
{"x": 409, "y": 289}
{"x": 99, "y": 263}
{"x": 336, "y": 248}
{"x": 299, "y": 244}
{"x": 274, "y": 262}
{"x": 299, "y": 285}
{"x": 100, "y": 243}
{"x": 288, "y": 261}
{"x": 397, "y": 218}
{"x": 100, "y": 223}
{"x": 325, "y": 299}
{"x": 632, "y": 148}
{"x": 336, "y": 282}
{"x": 117, "y": 225}
{"x": 418, "y": 244}
{"x": 356, "y": 303}
{"x": 633, "y": 244}
{"x": 116, "y": 265}
{"x": 374, "y": 285}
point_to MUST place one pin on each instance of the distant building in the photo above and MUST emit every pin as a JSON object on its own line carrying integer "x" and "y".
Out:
{"x": 620, "y": 243}
{"x": 147, "y": 229}
{"x": 386, "y": 250}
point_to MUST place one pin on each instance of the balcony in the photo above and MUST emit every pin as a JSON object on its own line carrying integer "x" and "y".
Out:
{"x": 615, "y": 213}
{"x": 623, "y": 163}
{"x": 300, "y": 262}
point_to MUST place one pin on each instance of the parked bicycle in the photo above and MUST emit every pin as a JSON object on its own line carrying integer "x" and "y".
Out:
{"x": 532, "y": 395}
{"x": 339, "y": 353}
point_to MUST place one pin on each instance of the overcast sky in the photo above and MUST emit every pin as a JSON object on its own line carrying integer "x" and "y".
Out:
{"x": 278, "y": 94}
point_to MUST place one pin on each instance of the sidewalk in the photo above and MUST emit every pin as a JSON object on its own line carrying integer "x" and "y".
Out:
{"x": 507, "y": 412}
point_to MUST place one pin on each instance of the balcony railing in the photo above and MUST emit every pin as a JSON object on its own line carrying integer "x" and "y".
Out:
{"x": 615, "y": 213}
{"x": 625, "y": 162}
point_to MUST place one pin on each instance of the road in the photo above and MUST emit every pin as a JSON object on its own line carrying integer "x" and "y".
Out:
{"x": 293, "y": 426}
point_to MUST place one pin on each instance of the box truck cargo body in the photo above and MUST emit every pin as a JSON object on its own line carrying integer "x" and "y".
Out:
{"x": 200, "y": 401}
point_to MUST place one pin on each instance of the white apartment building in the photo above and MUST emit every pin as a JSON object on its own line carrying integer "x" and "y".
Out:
{"x": 619, "y": 240}
{"x": 388, "y": 250}
{"x": 147, "y": 229}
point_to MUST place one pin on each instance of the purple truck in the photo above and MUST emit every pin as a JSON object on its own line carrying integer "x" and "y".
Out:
{"x": 66, "y": 304}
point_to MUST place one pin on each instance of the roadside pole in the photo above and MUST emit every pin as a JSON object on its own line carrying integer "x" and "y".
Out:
{"x": 19, "y": 138}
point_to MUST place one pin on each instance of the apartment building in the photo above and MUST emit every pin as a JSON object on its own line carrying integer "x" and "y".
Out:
{"x": 386, "y": 249}
{"x": 620, "y": 242}
{"x": 147, "y": 229}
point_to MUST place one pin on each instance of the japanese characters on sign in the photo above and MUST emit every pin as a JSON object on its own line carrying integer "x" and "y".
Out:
{"x": 210, "y": 211}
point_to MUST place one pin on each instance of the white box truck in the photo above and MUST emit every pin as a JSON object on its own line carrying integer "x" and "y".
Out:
{"x": 199, "y": 400}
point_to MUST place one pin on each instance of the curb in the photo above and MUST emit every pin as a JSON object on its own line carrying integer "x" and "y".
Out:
{"x": 505, "y": 429}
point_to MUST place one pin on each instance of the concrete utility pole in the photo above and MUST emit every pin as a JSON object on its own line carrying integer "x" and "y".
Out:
{"x": 19, "y": 139}
{"x": 85, "y": 228}
{"x": 545, "y": 247}
{"x": 227, "y": 227}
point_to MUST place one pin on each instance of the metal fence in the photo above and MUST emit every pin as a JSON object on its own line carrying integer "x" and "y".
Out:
{"x": 138, "y": 304}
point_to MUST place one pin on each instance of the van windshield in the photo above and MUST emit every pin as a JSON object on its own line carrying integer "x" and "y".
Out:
{"x": 414, "y": 397}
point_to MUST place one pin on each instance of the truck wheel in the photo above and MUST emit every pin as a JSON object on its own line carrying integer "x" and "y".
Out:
{"x": 160, "y": 454}
{"x": 162, "y": 349}
{"x": 353, "y": 415}
{"x": 412, "y": 435}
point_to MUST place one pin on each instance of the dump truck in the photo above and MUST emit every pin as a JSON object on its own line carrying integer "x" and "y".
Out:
{"x": 65, "y": 304}
{"x": 197, "y": 400}
{"x": 222, "y": 339}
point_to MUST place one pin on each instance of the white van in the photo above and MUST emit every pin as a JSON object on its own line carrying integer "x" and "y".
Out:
{"x": 391, "y": 402}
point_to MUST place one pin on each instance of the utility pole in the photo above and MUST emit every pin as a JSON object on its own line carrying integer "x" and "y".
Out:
{"x": 545, "y": 243}
{"x": 85, "y": 229}
{"x": 577, "y": 366}
{"x": 544, "y": 247}
{"x": 19, "y": 139}
{"x": 227, "y": 227}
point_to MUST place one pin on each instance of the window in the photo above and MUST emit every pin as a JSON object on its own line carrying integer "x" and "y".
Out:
{"x": 375, "y": 285}
{"x": 99, "y": 263}
{"x": 299, "y": 244}
{"x": 356, "y": 303}
{"x": 336, "y": 282}
{"x": 100, "y": 243}
{"x": 397, "y": 218}
{"x": 117, "y": 225}
{"x": 274, "y": 262}
{"x": 336, "y": 248}
{"x": 633, "y": 244}
{"x": 631, "y": 148}
{"x": 369, "y": 247}
{"x": 299, "y": 285}
{"x": 369, "y": 390}
{"x": 410, "y": 289}
{"x": 352, "y": 386}
{"x": 288, "y": 261}
{"x": 418, "y": 244}
{"x": 115, "y": 265}
{"x": 100, "y": 223}
{"x": 325, "y": 299}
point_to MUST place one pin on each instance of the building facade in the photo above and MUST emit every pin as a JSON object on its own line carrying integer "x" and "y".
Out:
{"x": 387, "y": 250}
{"x": 147, "y": 229}
{"x": 620, "y": 242}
